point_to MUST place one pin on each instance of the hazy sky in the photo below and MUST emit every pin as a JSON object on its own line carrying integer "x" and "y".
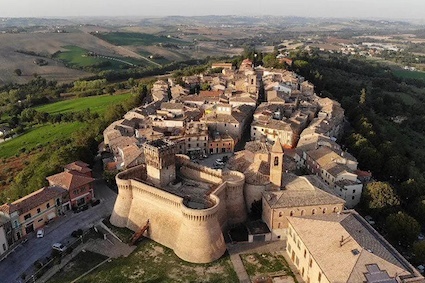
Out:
{"x": 398, "y": 9}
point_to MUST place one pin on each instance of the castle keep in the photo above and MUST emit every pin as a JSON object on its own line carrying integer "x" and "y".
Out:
{"x": 188, "y": 206}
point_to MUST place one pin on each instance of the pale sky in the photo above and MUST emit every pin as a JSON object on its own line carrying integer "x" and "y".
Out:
{"x": 395, "y": 9}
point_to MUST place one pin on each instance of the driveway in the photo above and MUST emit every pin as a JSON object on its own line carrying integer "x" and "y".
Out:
{"x": 24, "y": 256}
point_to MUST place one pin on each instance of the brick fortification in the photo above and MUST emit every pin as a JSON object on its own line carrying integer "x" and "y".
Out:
{"x": 194, "y": 233}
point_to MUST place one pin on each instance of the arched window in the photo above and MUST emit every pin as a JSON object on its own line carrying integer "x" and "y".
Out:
{"x": 280, "y": 214}
{"x": 302, "y": 212}
{"x": 313, "y": 211}
{"x": 291, "y": 213}
{"x": 335, "y": 209}
{"x": 324, "y": 210}
{"x": 276, "y": 161}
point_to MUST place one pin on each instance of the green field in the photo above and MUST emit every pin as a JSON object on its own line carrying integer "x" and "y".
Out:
{"x": 409, "y": 74}
{"x": 132, "y": 38}
{"x": 38, "y": 137}
{"x": 76, "y": 57}
{"x": 96, "y": 104}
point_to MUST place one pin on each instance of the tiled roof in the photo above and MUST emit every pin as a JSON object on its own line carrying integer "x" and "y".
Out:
{"x": 38, "y": 198}
{"x": 78, "y": 166}
{"x": 332, "y": 238}
{"x": 69, "y": 180}
{"x": 301, "y": 191}
{"x": 8, "y": 208}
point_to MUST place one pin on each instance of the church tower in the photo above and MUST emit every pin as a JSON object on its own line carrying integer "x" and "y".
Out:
{"x": 276, "y": 164}
{"x": 160, "y": 162}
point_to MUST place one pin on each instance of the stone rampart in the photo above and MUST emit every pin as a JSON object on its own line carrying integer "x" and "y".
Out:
{"x": 195, "y": 235}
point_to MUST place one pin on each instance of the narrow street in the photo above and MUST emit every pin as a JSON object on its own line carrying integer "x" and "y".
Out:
{"x": 61, "y": 228}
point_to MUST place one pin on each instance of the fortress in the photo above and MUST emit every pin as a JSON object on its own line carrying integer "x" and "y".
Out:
{"x": 188, "y": 206}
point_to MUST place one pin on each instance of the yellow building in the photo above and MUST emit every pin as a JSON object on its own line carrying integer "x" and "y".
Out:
{"x": 344, "y": 248}
{"x": 39, "y": 207}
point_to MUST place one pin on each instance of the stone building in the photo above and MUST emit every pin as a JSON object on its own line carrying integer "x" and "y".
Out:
{"x": 344, "y": 248}
{"x": 188, "y": 205}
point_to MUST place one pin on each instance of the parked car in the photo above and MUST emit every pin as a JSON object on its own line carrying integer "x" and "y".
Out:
{"x": 58, "y": 247}
{"x": 421, "y": 237}
{"x": 40, "y": 233}
{"x": 369, "y": 219}
{"x": 77, "y": 233}
{"x": 219, "y": 162}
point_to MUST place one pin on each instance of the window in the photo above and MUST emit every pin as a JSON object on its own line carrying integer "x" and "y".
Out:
{"x": 298, "y": 244}
{"x": 354, "y": 191}
{"x": 39, "y": 220}
{"x": 310, "y": 263}
{"x": 47, "y": 205}
{"x": 302, "y": 272}
{"x": 305, "y": 253}
{"x": 27, "y": 216}
{"x": 4, "y": 247}
{"x": 276, "y": 161}
{"x": 335, "y": 209}
{"x": 280, "y": 214}
{"x": 302, "y": 212}
{"x": 313, "y": 211}
{"x": 38, "y": 210}
{"x": 324, "y": 210}
{"x": 352, "y": 197}
{"x": 319, "y": 277}
{"x": 289, "y": 248}
{"x": 291, "y": 213}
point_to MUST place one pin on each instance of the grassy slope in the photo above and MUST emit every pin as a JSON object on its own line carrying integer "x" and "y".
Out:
{"x": 151, "y": 262}
{"x": 409, "y": 74}
{"x": 130, "y": 38}
{"x": 38, "y": 136}
{"x": 97, "y": 104}
{"x": 76, "y": 56}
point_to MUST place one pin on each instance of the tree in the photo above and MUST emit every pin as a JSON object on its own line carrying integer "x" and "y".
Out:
{"x": 419, "y": 251}
{"x": 402, "y": 228}
{"x": 378, "y": 196}
{"x": 18, "y": 72}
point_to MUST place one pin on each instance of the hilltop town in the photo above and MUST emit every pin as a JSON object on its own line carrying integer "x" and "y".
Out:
{"x": 209, "y": 152}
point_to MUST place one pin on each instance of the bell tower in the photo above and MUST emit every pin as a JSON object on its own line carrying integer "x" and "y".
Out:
{"x": 276, "y": 164}
{"x": 160, "y": 161}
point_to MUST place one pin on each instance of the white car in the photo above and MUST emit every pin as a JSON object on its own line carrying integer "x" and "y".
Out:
{"x": 40, "y": 233}
{"x": 58, "y": 247}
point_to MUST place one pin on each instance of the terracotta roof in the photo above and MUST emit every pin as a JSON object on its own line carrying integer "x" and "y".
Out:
{"x": 347, "y": 261}
{"x": 78, "y": 166}
{"x": 8, "y": 208}
{"x": 38, "y": 198}
{"x": 301, "y": 191}
{"x": 69, "y": 180}
{"x": 210, "y": 93}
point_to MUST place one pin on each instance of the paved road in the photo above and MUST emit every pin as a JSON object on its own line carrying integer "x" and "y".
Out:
{"x": 24, "y": 256}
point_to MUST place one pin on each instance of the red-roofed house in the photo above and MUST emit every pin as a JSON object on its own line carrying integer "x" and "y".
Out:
{"x": 36, "y": 209}
{"x": 79, "y": 166}
{"x": 78, "y": 185}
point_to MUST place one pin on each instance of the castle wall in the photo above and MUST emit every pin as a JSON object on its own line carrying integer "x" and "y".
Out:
{"x": 253, "y": 193}
{"x": 194, "y": 235}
